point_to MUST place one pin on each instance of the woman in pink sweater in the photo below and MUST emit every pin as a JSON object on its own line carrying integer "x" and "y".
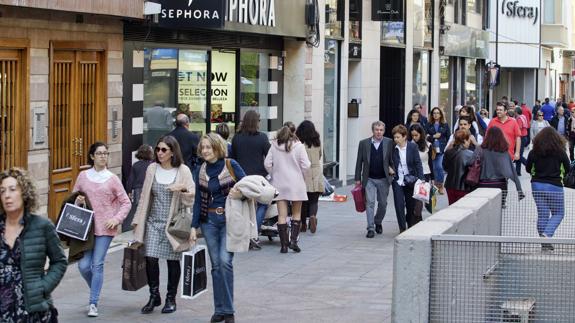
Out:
{"x": 288, "y": 164}
{"x": 111, "y": 206}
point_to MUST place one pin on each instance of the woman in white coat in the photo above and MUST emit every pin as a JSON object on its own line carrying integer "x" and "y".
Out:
{"x": 288, "y": 164}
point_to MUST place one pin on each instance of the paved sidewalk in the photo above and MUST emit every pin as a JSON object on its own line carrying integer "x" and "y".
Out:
{"x": 340, "y": 276}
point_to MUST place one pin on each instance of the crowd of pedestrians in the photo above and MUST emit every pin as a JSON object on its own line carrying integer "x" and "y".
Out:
{"x": 183, "y": 170}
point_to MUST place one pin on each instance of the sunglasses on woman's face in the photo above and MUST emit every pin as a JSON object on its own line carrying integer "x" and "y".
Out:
{"x": 162, "y": 149}
{"x": 539, "y": 115}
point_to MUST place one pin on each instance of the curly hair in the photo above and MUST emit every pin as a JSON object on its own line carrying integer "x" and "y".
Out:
{"x": 548, "y": 142}
{"x": 29, "y": 194}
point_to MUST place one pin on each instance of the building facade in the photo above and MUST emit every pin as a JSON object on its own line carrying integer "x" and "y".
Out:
{"x": 61, "y": 89}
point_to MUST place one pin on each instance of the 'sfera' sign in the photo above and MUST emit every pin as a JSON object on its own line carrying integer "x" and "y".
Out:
{"x": 253, "y": 12}
{"x": 514, "y": 9}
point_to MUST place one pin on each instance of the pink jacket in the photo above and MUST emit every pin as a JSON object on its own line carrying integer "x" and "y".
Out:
{"x": 108, "y": 199}
{"x": 288, "y": 170}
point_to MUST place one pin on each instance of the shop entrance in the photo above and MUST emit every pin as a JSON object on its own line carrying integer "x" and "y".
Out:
{"x": 392, "y": 87}
{"x": 77, "y": 118}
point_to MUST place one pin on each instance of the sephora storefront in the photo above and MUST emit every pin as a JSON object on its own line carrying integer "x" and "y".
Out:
{"x": 214, "y": 74}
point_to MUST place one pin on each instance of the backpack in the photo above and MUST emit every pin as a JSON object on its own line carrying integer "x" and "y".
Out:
{"x": 569, "y": 180}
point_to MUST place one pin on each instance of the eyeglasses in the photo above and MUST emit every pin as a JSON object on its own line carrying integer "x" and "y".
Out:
{"x": 539, "y": 115}
{"x": 102, "y": 154}
{"x": 162, "y": 149}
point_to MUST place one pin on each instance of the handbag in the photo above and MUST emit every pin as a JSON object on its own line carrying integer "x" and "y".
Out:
{"x": 422, "y": 191}
{"x": 474, "y": 172}
{"x": 181, "y": 223}
{"x": 358, "y": 198}
{"x": 134, "y": 267}
{"x": 327, "y": 188}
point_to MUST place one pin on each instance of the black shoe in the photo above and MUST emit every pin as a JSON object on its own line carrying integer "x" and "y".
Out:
{"x": 217, "y": 318}
{"x": 229, "y": 318}
{"x": 370, "y": 234}
{"x": 154, "y": 301}
{"x": 547, "y": 247}
{"x": 284, "y": 237}
{"x": 169, "y": 306}
{"x": 378, "y": 228}
{"x": 255, "y": 245}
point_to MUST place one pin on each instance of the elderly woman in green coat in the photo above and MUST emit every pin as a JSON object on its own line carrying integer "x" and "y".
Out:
{"x": 26, "y": 241}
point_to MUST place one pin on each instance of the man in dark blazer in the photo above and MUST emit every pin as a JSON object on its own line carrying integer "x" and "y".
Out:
{"x": 188, "y": 140}
{"x": 373, "y": 172}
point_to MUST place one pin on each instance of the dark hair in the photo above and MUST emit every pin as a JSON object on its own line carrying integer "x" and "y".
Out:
{"x": 548, "y": 142}
{"x": 145, "y": 152}
{"x": 400, "y": 129}
{"x": 470, "y": 111}
{"x": 518, "y": 110}
{"x": 460, "y": 136}
{"x": 29, "y": 194}
{"x": 251, "y": 123}
{"x": 171, "y": 142}
{"x": 223, "y": 130}
{"x": 495, "y": 140}
{"x": 421, "y": 143}
{"x": 290, "y": 125}
{"x": 410, "y": 114}
{"x": 501, "y": 104}
{"x": 307, "y": 134}
{"x": 92, "y": 150}
{"x": 286, "y": 136}
{"x": 441, "y": 119}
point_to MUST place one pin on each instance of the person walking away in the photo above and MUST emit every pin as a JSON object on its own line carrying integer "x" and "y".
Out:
{"x": 496, "y": 165}
{"x": 510, "y": 130}
{"x": 111, "y": 205}
{"x": 374, "y": 173}
{"x": 314, "y": 182}
{"x": 408, "y": 169}
{"x": 159, "y": 121}
{"x": 187, "y": 140}
{"x": 538, "y": 124}
{"x": 249, "y": 149}
{"x": 216, "y": 180}
{"x": 288, "y": 165}
{"x": 456, "y": 161}
{"x": 529, "y": 116}
{"x": 168, "y": 186}
{"x": 548, "y": 163}
{"x": 548, "y": 110}
{"x": 426, "y": 154}
{"x": 524, "y": 131}
{"x": 223, "y": 130}
{"x": 26, "y": 240}
{"x": 439, "y": 132}
{"x": 145, "y": 156}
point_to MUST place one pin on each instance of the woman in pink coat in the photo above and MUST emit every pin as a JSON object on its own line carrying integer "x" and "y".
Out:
{"x": 288, "y": 164}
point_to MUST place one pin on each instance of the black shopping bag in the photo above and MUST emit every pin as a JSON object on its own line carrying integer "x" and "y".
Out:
{"x": 194, "y": 269}
{"x": 134, "y": 274}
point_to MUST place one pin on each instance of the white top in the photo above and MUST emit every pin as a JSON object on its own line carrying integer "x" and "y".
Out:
{"x": 98, "y": 176}
{"x": 376, "y": 143}
{"x": 424, "y": 156}
{"x": 479, "y": 139}
{"x": 402, "y": 170}
{"x": 166, "y": 176}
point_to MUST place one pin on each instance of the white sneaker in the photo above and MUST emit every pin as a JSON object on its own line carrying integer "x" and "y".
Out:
{"x": 93, "y": 311}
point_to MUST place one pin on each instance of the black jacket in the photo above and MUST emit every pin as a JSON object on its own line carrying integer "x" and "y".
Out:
{"x": 548, "y": 169}
{"x": 414, "y": 165}
{"x": 455, "y": 162}
{"x": 445, "y": 132}
{"x": 188, "y": 144}
{"x": 554, "y": 122}
{"x": 250, "y": 151}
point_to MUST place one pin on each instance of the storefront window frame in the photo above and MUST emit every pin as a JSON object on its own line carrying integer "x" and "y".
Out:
{"x": 339, "y": 10}
{"x": 331, "y": 168}
{"x": 428, "y": 80}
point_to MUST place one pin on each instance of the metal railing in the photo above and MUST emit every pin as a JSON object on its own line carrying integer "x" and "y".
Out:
{"x": 502, "y": 279}
{"x": 520, "y": 217}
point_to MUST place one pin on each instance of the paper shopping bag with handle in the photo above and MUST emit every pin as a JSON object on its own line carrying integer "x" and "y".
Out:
{"x": 134, "y": 267}
{"x": 194, "y": 270}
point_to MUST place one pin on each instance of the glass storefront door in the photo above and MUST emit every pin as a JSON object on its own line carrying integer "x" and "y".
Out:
{"x": 192, "y": 87}
{"x": 331, "y": 77}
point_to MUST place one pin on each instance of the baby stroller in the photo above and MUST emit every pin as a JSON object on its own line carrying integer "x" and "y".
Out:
{"x": 270, "y": 224}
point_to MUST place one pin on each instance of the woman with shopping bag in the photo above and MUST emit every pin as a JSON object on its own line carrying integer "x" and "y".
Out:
{"x": 168, "y": 189}
{"x": 217, "y": 178}
{"x": 427, "y": 154}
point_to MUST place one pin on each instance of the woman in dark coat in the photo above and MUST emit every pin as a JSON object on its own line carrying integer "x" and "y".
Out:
{"x": 456, "y": 161}
{"x": 438, "y": 133}
{"x": 25, "y": 286}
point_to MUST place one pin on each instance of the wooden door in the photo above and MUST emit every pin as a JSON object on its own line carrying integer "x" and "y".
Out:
{"x": 77, "y": 119}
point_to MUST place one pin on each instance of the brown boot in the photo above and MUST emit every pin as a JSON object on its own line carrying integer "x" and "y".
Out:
{"x": 312, "y": 224}
{"x": 295, "y": 226}
{"x": 284, "y": 239}
{"x": 303, "y": 227}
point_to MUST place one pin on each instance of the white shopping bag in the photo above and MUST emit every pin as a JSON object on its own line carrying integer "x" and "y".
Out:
{"x": 422, "y": 191}
{"x": 194, "y": 269}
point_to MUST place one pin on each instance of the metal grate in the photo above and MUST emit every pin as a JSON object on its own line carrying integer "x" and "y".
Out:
{"x": 520, "y": 217}
{"x": 502, "y": 279}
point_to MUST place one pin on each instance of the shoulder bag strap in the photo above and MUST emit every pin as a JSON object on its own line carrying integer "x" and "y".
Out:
{"x": 231, "y": 169}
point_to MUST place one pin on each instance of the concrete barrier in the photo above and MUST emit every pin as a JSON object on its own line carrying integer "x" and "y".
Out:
{"x": 478, "y": 213}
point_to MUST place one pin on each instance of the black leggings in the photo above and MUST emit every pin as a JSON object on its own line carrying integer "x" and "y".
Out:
{"x": 309, "y": 207}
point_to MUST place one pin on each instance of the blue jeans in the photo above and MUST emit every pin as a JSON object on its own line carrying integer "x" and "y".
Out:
{"x": 91, "y": 266}
{"x": 550, "y": 207}
{"x": 261, "y": 214}
{"x": 522, "y": 160}
{"x": 438, "y": 168}
{"x": 214, "y": 231}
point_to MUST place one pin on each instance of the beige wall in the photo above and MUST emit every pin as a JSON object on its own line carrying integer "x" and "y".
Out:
{"x": 41, "y": 28}
{"x": 127, "y": 8}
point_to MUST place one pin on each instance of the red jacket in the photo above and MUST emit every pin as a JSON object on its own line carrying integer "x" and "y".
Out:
{"x": 527, "y": 113}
